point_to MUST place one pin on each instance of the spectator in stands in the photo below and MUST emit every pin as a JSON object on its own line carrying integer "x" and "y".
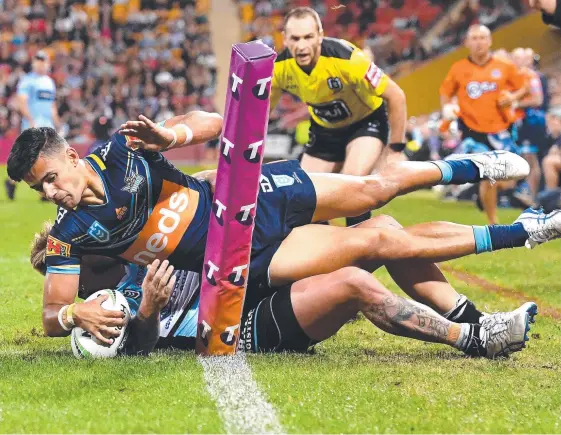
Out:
{"x": 102, "y": 128}
{"x": 551, "y": 10}
{"x": 109, "y": 59}
{"x": 36, "y": 93}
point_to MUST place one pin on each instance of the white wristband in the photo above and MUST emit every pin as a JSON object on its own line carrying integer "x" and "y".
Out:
{"x": 174, "y": 141}
{"x": 62, "y": 325}
{"x": 188, "y": 134}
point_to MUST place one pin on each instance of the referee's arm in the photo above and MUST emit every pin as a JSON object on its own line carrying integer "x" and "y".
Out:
{"x": 397, "y": 111}
{"x": 370, "y": 80}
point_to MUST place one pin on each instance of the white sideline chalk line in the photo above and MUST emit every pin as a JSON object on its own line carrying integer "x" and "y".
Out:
{"x": 240, "y": 403}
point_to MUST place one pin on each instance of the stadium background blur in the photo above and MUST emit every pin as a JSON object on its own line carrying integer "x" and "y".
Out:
{"x": 117, "y": 58}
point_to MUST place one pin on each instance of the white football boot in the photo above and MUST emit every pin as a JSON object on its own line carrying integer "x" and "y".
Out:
{"x": 505, "y": 333}
{"x": 497, "y": 165}
{"x": 541, "y": 227}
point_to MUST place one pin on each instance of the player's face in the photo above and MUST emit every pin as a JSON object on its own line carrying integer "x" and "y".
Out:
{"x": 529, "y": 58}
{"x": 478, "y": 42}
{"x": 303, "y": 39}
{"x": 502, "y": 54}
{"x": 40, "y": 66}
{"x": 57, "y": 178}
{"x": 519, "y": 58}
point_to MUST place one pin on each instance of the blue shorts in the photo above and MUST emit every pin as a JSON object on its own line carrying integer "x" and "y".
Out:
{"x": 531, "y": 137}
{"x": 478, "y": 142}
{"x": 500, "y": 141}
{"x": 286, "y": 200}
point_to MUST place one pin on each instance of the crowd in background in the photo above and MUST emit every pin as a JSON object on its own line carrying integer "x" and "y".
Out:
{"x": 400, "y": 33}
{"x": 111, "y": 58}
{"x": 117, "y": 58}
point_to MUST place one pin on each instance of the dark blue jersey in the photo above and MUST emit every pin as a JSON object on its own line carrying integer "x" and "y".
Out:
{"x": 151, "y": 209}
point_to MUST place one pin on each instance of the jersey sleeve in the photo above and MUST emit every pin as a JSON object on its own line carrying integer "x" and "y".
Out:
{"x": 450, "y": 85}
{"x": 61, "y": 256}
{"x": 24, "y": 86}
{"x": 367, "y": 78}
{"x": 276, "y": 86}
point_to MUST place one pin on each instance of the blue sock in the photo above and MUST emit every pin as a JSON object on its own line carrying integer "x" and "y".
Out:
{"x": 494, "y": 237}
{"x": 458, "y": 171}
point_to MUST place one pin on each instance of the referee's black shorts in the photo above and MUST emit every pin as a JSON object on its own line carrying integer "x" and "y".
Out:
{"x": 330, "y": 144}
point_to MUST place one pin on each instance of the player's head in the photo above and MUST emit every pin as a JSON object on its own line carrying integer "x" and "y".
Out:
{"x": 102, "y": 128}
{"x": 303, "y": 35}
{"x": 478, "y": 40}
{"x": 518, "y": 56}
{"x": 39, "y": 248}
{"x": 369, "y": 53}
{"x": 529, "y": 57}
{"x": 40, "y": 63}
{"x": 47, "y": 164}
{"x": 96, "y": 272}
{"x": 501, "y": 53}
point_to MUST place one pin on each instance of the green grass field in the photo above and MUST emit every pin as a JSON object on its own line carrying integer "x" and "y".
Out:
{"x": 361, "y": 381}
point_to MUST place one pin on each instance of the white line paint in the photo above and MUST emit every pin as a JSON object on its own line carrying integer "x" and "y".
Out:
{"x": 239, "y": 401}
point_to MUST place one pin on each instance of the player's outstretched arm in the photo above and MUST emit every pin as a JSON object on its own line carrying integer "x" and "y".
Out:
{"x": 180, "y": 131}
{"x": 157, "y": 287}
{"x": 59, "y": 293}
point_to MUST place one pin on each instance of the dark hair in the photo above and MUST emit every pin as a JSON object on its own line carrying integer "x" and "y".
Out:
{"x": 28, "y": 146}
{"x": 302, "y": 12}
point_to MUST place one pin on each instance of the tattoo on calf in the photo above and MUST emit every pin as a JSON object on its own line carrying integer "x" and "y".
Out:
{"x": 401, "y": 316}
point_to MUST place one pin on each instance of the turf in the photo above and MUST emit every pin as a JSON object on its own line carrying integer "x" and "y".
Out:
{"x": 360, "y": 381}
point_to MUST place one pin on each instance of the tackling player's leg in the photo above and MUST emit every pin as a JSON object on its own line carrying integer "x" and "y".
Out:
{"x": 316, "y": 249}
{"x": 425, "y": 283}
{"x": 315, "y": 308}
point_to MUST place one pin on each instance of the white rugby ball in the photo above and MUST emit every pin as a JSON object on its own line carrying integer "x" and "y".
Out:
{"x": 85, "y": 345}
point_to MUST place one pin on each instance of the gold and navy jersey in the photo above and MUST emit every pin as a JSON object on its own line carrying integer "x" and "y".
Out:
{"x": 343, "y": 88}
{"x": 151, "y": 210}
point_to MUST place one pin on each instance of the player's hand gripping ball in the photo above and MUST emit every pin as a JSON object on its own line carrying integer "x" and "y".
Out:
{"x": 85, "y": 345}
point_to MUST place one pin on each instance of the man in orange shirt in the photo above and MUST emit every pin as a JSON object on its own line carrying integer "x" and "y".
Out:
{"x": 486, "y": 88}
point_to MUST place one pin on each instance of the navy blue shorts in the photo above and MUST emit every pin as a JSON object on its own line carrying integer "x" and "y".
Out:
{"x": 286, "y": 200}
{"x": 531, "y": 137}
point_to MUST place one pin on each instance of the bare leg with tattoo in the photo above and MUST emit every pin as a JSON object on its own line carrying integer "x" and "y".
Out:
{"x": 323, "y": 304}
{"x": 424, "y": 282}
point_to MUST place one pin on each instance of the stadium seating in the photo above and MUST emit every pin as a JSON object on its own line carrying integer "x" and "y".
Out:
{"x": 397, "y": 31}
{"x": 110, "y": 57}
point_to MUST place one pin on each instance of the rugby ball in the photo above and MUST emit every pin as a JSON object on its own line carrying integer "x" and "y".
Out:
{"x": 85, "y": 345}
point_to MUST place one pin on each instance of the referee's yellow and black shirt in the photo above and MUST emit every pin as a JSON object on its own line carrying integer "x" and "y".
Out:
{"x": 343, "y": 88}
